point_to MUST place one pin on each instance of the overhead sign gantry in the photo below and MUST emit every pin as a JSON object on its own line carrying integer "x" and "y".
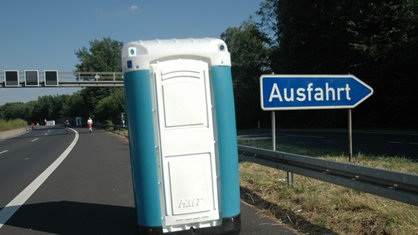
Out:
{"x": 53, "y": 78}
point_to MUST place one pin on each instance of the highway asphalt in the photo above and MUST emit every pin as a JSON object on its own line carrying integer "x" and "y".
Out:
{"x": 89, "y": 192}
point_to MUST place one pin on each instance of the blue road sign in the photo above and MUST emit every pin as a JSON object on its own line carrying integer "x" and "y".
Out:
{"x": 287, "y": 92}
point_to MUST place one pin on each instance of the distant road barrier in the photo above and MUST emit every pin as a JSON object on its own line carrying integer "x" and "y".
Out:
{"x": 390, "y": 184}
{"x": 12, "y": 133}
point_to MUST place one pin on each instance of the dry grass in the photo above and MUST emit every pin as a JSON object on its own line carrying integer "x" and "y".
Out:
{"x": 316, "y": 207}
{"x": 11, "y": 124}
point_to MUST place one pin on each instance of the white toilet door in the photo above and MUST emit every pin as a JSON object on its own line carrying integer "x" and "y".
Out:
{"x": 187, "y": 147}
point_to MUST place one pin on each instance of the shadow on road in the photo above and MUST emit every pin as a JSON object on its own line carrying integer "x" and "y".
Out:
{"x": 284, "y": 215}
{"x": 67, "y": 217}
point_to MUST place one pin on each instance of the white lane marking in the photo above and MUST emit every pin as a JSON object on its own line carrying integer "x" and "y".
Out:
{"x": 23, "y": 196}
{"x": 413, "y": 143}
{"x": 308, "y": 136}
{"x": 394, "y": 142}
{"x": 34, "y": 140}
{"x": 4, "y": 151}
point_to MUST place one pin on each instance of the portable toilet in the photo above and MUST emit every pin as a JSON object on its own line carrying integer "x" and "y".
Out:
{"x": 182, "y": 136}
{"x": 78, "y": 121}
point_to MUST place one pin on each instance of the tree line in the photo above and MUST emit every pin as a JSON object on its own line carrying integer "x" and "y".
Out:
{"x": 374, "y": 40}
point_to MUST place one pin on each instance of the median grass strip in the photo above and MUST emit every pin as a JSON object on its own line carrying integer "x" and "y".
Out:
{"x": 316, "y": 207}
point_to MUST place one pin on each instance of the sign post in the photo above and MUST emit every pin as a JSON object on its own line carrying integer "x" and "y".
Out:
{"x": 350, "y": 136}
{"x": 303, "y": 92}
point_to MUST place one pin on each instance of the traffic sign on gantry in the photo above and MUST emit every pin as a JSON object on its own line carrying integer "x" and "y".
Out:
{"x": 287, "y": 92}
{"x": 31, "y": 78}
{"x": 11, "y": 78}
{"x": 51, "y": 77}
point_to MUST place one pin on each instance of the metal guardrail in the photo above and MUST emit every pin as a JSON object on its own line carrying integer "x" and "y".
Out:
{"x": 390, "y": 184}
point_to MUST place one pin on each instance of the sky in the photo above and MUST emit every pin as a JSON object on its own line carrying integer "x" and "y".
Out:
{"x": 44, "y": 34}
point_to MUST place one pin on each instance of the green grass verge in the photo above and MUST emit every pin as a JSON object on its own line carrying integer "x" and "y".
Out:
{"x": 316, "y": 207}
{"x": 6, "y": 125}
